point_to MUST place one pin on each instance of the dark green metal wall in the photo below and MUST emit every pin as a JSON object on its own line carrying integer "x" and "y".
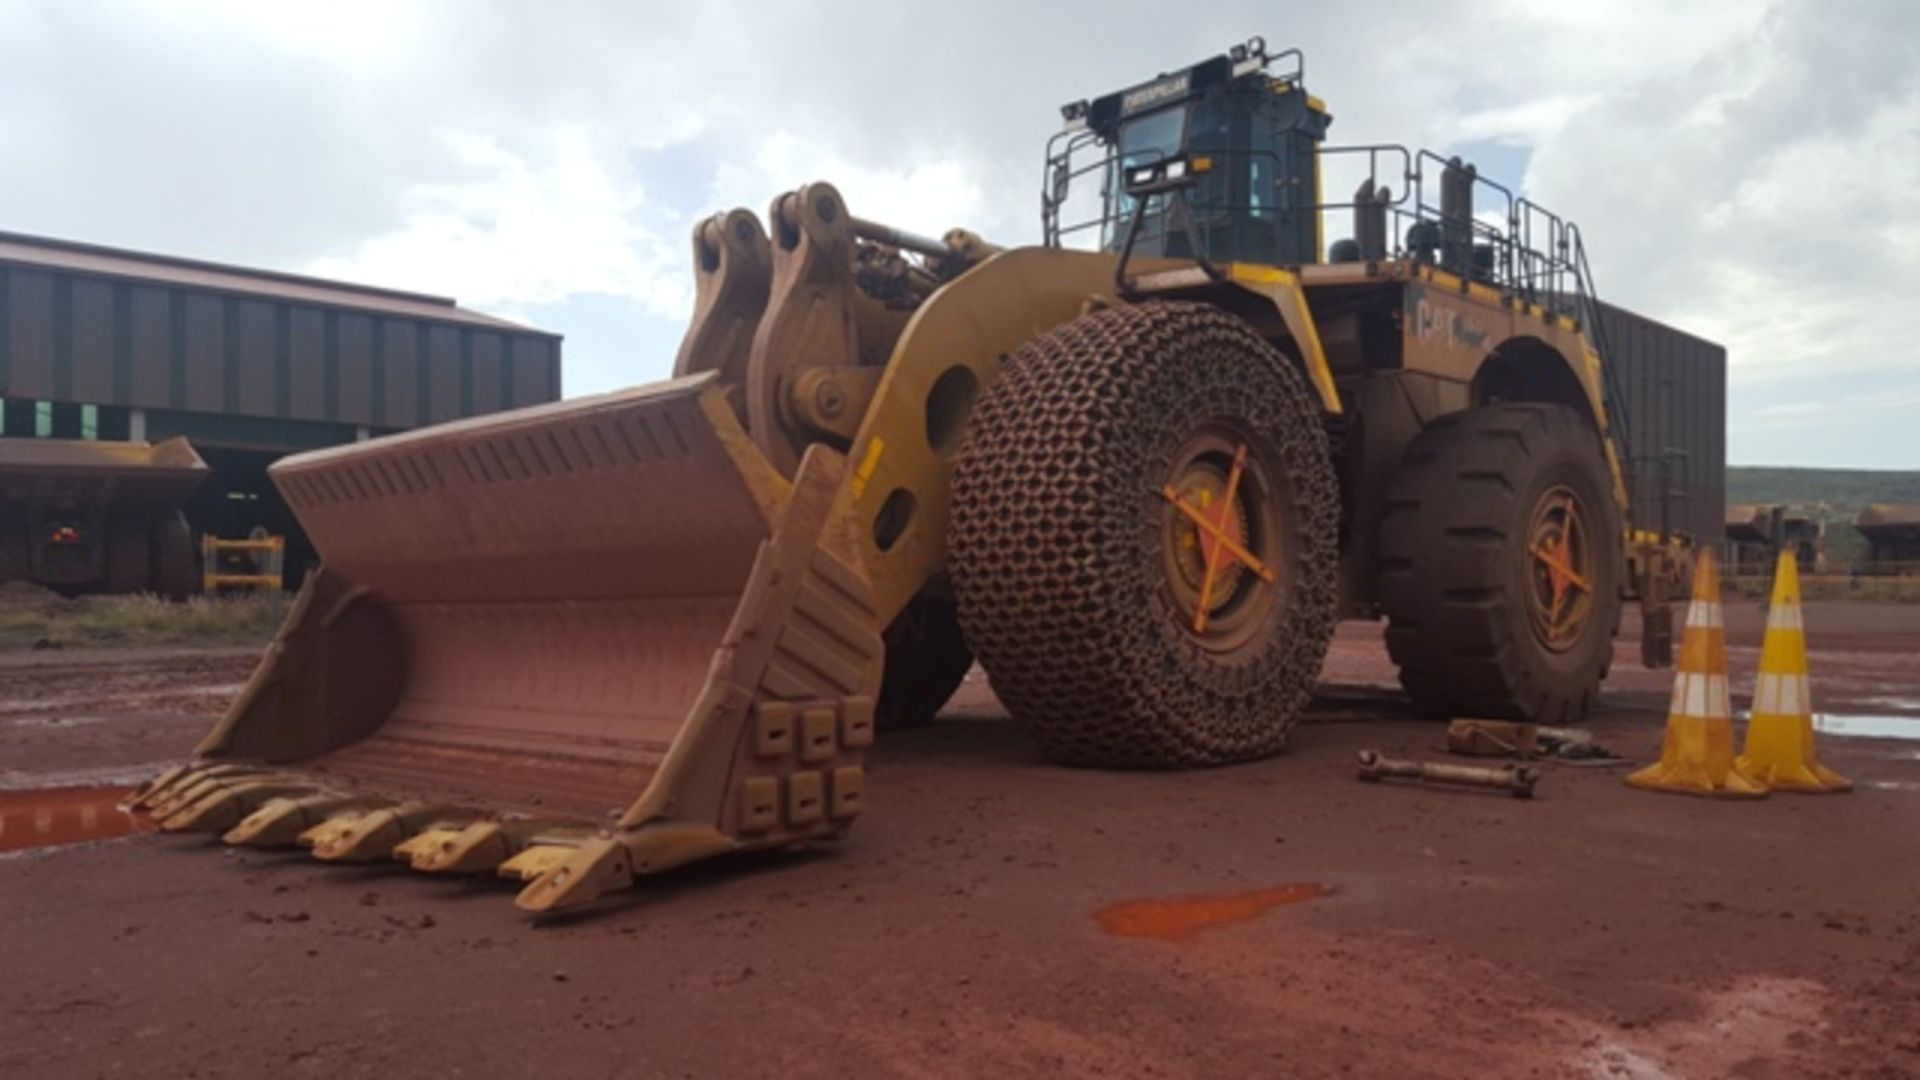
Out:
{"x": 72, "y": 337}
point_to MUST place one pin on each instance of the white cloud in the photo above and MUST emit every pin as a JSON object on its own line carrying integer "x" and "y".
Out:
{"x": 1528, "y": 122}
{"x": 1743, "y": 171}
{"x": 1838, "y": 409}
{"x": 928, "y": 196}
{"x": 1761, "y": 195}
{"x": 524, "y": 227}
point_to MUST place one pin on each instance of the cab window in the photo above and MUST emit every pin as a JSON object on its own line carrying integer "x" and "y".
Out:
{"x": 1144, "y": 140}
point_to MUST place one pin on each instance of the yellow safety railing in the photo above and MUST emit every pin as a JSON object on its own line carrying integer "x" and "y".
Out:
{"x": 253, "y": 563}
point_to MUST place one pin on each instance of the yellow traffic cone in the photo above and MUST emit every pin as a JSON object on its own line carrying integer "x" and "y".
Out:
{"x": 1696, "y": 757}
{"x": 1779, "y": 749}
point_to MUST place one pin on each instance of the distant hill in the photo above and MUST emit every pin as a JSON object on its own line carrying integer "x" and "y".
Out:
{"x": 1834, "y": 496}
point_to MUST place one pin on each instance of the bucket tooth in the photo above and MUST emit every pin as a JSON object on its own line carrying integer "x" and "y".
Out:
{"x": 194, "y": 784}
{"x": 333, "y": 825}
{"x": 279, "y": 822}
{"x": 601, "y": 864}
{"x": 479, "y": 847}
{"x": 223, "y": 807}
{"x": 184, "y": 793}
{"x": 375, "y": 834}
{"x": 216, "y": 771}
{"x": 143, "y": 796}
{"x": 535, "y": 860}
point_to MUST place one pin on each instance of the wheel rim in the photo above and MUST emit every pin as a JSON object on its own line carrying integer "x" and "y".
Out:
{"x": 1220, "y": 540}
{"x": 1560, "y": 563}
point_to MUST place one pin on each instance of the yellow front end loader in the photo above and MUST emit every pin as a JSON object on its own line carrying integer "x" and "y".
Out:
{"x": 588, "y": 641}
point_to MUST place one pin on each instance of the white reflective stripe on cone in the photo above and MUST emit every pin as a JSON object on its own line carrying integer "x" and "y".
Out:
{"x": 1781, "y": 694}
{"x": 1704, "y": 613}
{"x": 1785, "y": 617}
{"x": 1719, "y": 701}
{"x": 1698, "y": 695}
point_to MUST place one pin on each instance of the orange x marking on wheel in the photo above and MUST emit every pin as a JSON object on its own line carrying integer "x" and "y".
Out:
{"x": 1214, "y": 528}
{"x": 1558, "y": 559}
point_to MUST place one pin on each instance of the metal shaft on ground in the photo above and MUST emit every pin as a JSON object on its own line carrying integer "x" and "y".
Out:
{"x": 1516, "y": 779}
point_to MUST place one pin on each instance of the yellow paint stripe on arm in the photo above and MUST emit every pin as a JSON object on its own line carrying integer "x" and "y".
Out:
{"x": 869, "y": 462}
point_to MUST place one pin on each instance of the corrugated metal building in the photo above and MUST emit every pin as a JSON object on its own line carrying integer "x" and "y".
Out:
{"x": 102, "y": 343}
{"x": 1675, "y": 390}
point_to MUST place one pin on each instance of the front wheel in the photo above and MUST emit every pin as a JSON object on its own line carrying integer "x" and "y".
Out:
{"x": 1143, "y": 539}
{"x": 1500, "y": 564}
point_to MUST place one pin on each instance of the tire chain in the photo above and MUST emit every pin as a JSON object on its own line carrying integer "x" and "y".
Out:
{"x": 1056, "y": 534}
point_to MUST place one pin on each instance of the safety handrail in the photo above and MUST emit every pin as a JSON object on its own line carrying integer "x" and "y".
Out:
{"x": 1508, "y": 241}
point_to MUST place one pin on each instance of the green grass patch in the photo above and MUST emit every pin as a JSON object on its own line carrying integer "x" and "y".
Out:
{"x": 96, "y": 621}
{"x": 1895, "y": 590}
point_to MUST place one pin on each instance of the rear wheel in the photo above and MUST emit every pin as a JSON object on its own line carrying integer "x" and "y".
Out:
{"x": 927, "y": 659}
{"x": 16, "y": 557}
{"x": 176, "y": 570}
{"x": 1500, "y": 561}
{"x": 1142, "y": 540}
{"x": 129, "y": 555}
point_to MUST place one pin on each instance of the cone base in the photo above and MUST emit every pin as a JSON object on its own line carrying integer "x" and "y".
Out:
{"x": 1695, "y": 781}
{"x": 1809, "y": 778}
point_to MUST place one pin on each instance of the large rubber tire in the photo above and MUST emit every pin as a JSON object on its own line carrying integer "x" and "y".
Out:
{"x": 1057, "y": 554}
{"x": 16, "y": 558}
{"x": 1456, "y": 570}
{"x": 129, "y": 555}
{"x": 927, "y": 659}
{"x": 176, "y": 565}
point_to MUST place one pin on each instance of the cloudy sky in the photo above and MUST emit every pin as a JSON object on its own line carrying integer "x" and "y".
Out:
{"x": 1750, "y": 172}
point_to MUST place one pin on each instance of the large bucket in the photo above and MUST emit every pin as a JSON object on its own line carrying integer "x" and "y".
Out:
{"x": 570, "y": 643}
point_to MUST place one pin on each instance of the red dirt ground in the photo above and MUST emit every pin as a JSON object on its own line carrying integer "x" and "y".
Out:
{"x": 1593, "y": 931}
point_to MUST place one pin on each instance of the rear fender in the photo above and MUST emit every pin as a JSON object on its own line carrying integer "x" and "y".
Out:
{"x": 1563, "y": 371}
{"x": 1281, "y": 288}
{"x": 1269, "y": 297}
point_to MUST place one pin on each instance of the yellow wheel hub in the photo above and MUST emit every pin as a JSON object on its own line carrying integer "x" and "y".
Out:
{"x": 1209, "y": 538}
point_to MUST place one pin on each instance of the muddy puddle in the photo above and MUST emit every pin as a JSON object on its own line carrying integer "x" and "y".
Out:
{"x": 1179, "y": 918}
{"x": 51, "y": 817}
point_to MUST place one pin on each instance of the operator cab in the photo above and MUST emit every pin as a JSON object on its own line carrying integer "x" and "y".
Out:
{"x": 1217, "y": 161}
